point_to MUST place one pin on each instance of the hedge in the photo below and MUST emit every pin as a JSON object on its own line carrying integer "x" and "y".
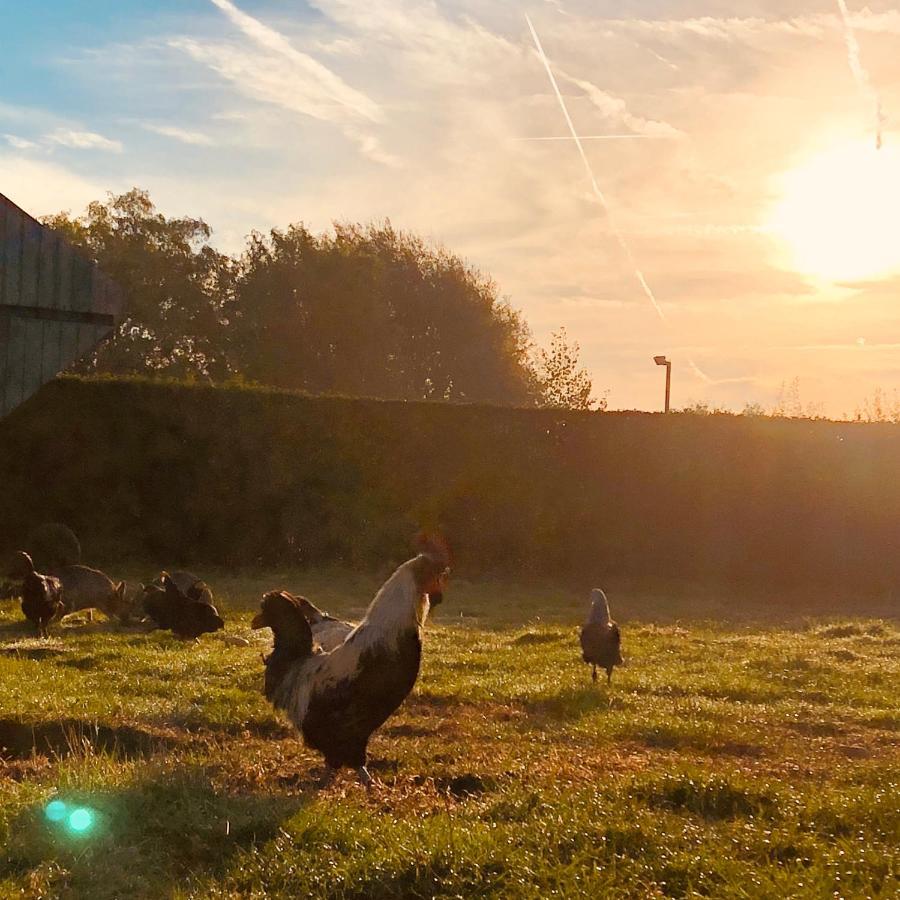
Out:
{"x": 236, "y": 476}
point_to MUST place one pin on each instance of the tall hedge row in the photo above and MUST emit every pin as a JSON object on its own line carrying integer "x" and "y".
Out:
{"x": 188, "y": 474}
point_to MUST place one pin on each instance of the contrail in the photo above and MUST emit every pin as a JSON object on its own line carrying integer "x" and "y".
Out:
{"x": 860, "y": 75}
{"x": 638, "y": 274}
{"x": 601, "y": 137}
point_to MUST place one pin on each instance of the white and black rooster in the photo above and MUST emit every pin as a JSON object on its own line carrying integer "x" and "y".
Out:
{"x": 338, "y": 698}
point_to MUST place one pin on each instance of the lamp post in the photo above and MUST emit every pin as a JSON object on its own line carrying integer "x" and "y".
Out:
{"x": 662, "y": 361}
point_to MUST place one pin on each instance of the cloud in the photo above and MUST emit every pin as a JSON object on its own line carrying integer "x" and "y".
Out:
{"x": 42, "y": 187}
{"x": 270, "y": 69}
{"x": 453, "y": 86}
{"x": 616, "y": 110}
{"x": 83, "y": 140}
{"x": 19, "y": 143}
{"x": 195, "y": 138}
{"x": 309, "y": 74}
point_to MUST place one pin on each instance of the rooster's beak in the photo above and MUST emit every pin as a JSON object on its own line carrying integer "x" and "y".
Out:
{"x": 259, "y": 621}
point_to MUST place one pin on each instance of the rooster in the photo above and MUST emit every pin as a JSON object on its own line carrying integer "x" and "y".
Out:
{"x": 42, "y": 595}
{"x": 337, "y": 699}
{"x": 600, "y": 637}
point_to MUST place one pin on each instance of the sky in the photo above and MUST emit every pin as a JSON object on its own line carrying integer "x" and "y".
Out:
{"x": 732, "y": 208}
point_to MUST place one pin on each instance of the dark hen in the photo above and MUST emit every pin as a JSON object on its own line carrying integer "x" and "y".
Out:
{"x": 600, "y": 637}
{"x": 42, "y": 595}
{"x": 182, "y": 613}
{"x": 328, "y": 632}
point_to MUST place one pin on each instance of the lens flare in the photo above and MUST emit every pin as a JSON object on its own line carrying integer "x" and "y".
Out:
{"x": 81, "y": 820}
{"x": 56, "y": 811}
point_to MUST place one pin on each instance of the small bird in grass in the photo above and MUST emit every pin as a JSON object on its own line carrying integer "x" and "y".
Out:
{"x": 42, "y": 595}
{"x": 600, "y": 637}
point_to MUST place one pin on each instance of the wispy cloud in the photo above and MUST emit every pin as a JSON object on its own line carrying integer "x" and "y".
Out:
{"x": 83, "y": 140}
{"x": 616, "y": 110}
{"x": 308, "y": 72}
{"x": 737, "y": 29}
{"x": 19, "y": 143}
{"x": 185, "y": 136}
{"x": 270, "y": 69}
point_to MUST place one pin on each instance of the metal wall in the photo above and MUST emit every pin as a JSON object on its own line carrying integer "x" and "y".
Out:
{"x": 55, "y": 305}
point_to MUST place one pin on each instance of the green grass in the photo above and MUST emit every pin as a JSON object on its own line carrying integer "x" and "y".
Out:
{"x": 744, "y": 758}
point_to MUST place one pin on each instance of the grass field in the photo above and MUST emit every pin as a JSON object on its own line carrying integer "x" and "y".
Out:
{"x": 748, "y": 758}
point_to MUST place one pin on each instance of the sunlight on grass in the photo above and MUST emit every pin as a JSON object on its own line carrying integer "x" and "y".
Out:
{"x": 724, "y": 760}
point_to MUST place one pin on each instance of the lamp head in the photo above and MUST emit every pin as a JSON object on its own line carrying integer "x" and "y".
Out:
{"x": 660, "y": 360}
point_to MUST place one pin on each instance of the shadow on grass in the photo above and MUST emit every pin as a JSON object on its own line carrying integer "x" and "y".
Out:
{"x": 70, "y": 737}
{"x": 145, "y": 838}
{"x": 701, "y": 737}
{"x": 714, "y": 798}
{"x": 530, "y": 638}
{"x": 17, "y": 628}
{"x": 572, "y": 704}
{"x": 21, "y": 628}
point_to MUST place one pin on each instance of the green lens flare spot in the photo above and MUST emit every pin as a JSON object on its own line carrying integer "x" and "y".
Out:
{"x": 81, "y": 820}
{"x": 56, "y": 811}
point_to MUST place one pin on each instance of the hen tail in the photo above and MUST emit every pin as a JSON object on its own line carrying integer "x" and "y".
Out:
{"x": 283, "y": 613}
{"x": 311, "y": 612}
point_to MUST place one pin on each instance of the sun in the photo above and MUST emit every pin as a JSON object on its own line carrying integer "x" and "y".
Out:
{"x": 838, "y": 213}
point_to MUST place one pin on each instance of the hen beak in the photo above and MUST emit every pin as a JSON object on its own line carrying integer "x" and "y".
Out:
{"x": 259, "y": 621}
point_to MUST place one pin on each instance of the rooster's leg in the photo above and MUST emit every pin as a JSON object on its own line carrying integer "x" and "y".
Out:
{"x": 593, "y": 673}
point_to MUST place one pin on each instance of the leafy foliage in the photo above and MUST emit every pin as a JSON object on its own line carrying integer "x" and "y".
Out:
{"x": 564, "y": 381}
{"x": 177, "y": 287}
{"x": 361, "y": 310}
{"x": 371, "y": 311}
{"x": 238, "y": 475}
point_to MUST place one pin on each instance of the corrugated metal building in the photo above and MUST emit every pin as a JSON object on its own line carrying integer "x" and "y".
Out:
{"x": 55, "y": 305}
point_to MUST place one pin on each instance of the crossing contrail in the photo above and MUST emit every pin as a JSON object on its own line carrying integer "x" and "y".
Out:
{"x": 600, "y": 137}
{"x": 598, "y": 193}
{"x": 860, "y": 75}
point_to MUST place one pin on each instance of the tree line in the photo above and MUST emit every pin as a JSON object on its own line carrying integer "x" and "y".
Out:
{"x": 361, "y": 310}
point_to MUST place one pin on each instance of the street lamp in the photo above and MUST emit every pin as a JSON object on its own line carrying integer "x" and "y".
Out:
{"x": 662, "y": 361}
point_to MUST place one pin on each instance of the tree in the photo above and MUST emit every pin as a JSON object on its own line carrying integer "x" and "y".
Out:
{"x": 564, "y": 381}
{"x": 177, "y": 287}
{"x": 361, "y": 310}
{"x": 372, "y": 311}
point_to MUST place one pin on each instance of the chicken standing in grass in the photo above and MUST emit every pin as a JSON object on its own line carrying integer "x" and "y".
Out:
{"x": 600, "y": 637}
{"x": 42, "y": 595}
{"x": 90, "y": 589}
{"x": 337, "y": 699}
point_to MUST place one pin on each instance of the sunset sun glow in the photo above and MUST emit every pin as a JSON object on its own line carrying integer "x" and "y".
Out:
{"x": 839, "y": 213}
